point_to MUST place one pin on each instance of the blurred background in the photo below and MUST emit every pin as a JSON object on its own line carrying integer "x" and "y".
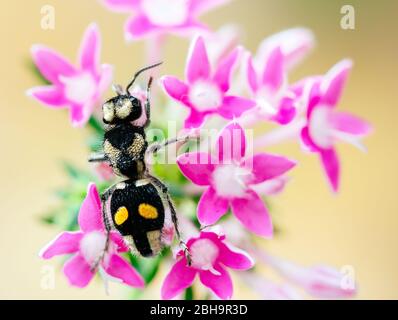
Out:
{"x": 357, "y": 227}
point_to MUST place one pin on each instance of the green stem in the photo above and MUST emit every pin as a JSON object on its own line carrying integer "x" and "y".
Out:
{"x": 188, "y": 295}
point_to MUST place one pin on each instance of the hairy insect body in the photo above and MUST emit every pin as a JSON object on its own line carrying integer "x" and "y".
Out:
{"x": 137, "y": 206}
{"x": 124, "y": 146}
{"x": 138, "y": 213}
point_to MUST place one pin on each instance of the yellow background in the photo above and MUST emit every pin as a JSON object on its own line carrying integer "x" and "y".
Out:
{"x": 358, "y": 227}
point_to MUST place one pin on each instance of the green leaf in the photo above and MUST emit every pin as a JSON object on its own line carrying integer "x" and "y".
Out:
{"x": 96, "y": 125}
{"x": 147, "y": 267}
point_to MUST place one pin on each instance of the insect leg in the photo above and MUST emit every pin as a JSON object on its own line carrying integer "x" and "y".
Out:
{"x": 148, "y": 103}
{"x": 97, "y": 157}
{"x": 175, "y": 222}
{"x": 174, "y": 218}
{"x": 155, "y": 147}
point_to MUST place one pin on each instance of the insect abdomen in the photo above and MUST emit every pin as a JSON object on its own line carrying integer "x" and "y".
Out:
{"x": 138, "y": 214}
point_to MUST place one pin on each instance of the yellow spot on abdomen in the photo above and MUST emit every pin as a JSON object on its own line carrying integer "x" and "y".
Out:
{"x": 121, "y": 215}
{"x": 147, "y": 211}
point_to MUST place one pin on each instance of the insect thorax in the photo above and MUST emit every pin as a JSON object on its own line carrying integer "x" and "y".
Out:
{"x": 125, "y": 146}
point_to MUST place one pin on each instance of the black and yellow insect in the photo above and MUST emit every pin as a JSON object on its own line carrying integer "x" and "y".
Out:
{"x": 137, "y": 206}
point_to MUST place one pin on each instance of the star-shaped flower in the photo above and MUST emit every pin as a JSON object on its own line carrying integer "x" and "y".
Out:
{"x": 162, "y": 16}
{"x": 210, "y": 254}
{"x": 325, "y": 126}
{"x": 206, "y": 93}
{"x": 230, "y": 176}
{"x": 77, "y": 88}
{"x": 87, "y": 246}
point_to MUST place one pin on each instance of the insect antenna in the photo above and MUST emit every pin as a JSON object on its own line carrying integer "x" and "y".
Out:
{"x": 117, "y": 88}
{"x": 138, "y": 73}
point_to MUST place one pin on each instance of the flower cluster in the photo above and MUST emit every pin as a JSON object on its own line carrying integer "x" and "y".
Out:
{"x": 237, "y": 89}
{"x": 87, "y": 246}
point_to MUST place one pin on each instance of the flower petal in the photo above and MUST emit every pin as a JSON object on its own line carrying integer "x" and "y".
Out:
{"x": 295, "y": 44}
{"x": 119, "y": 268}
{"x": 223, "y": 73}
{"x": 286, "y": 111}
{"x": 273, "y": 75}
{"x": 349, "y": 123}
{"x": 89, "y": 52}
{"x": 252, "y": 77}
{"x": 138, "y": 27}
{"x": 269, "y": 290}
{"x": 179, "y": 278}
{"x": 197, "y": 167}
{"x": 298, "y": 43}
{"x": 78, "y": 272}
{"x": 253, "y": 214}
{"x": 51, "y": 64}
{"x": 325, "y": 282}
{"x": 211, "y": 207}
{"x": 200, "y": 6}
{"x": 175, "y": 88}
{"x": 271, "y": 187}
{"x": 234, "y": 258}
{"x": 121, "y": 5}
{"x": 80, "y": 114}
{"x": 117, "y": 239}
{"x": 194, "y": 120}
{"x": 233, "y": 107}
{"x": 334, "y": 81}
{"x": 106, "y": 78}
{"x": 231, "y": 144}
{"x": 266, "y": 166}
{"x": 331, "y": 166}
{"x": 320, "y": 281}
{"x": 51, "y": 96}
{"x": 188, "y": 28}
{"x": 198, "y": 66}
{"x": 307, "y": 141}
{"x": 90, "y": 217}
{"x": 220, "y": 284}
{"x": 65, "y": 242}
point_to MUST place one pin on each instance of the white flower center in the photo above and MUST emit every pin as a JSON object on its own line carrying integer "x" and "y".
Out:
{"x": 204, "y": 253}
{"x": 230, "y": 181}
{"x": 92, "y": 246}
{"x": 320, "y": 127}
{"x": 166, "y": 12}
{"x": 205, "y": 95}
{"x": 79, "y": 88}
{"x": 266, "y": 107}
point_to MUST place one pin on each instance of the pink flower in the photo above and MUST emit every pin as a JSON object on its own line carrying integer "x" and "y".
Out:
{"x": 87, "y": 245}
{"x": 269, "y": 290}
{"x": 325, "y": 125}
{"x": 77, "y": 88}
{"x": 295, "y": 44}
{"x": 320, "y": 281}
{"x": 230, "y": 177}
{"x": 210, "y": 255}
{"x": 221, "y": 42}
{"x": 275, "y": 100}
{"x": 162, "y": 16}
{"x": 205, "y": 93}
